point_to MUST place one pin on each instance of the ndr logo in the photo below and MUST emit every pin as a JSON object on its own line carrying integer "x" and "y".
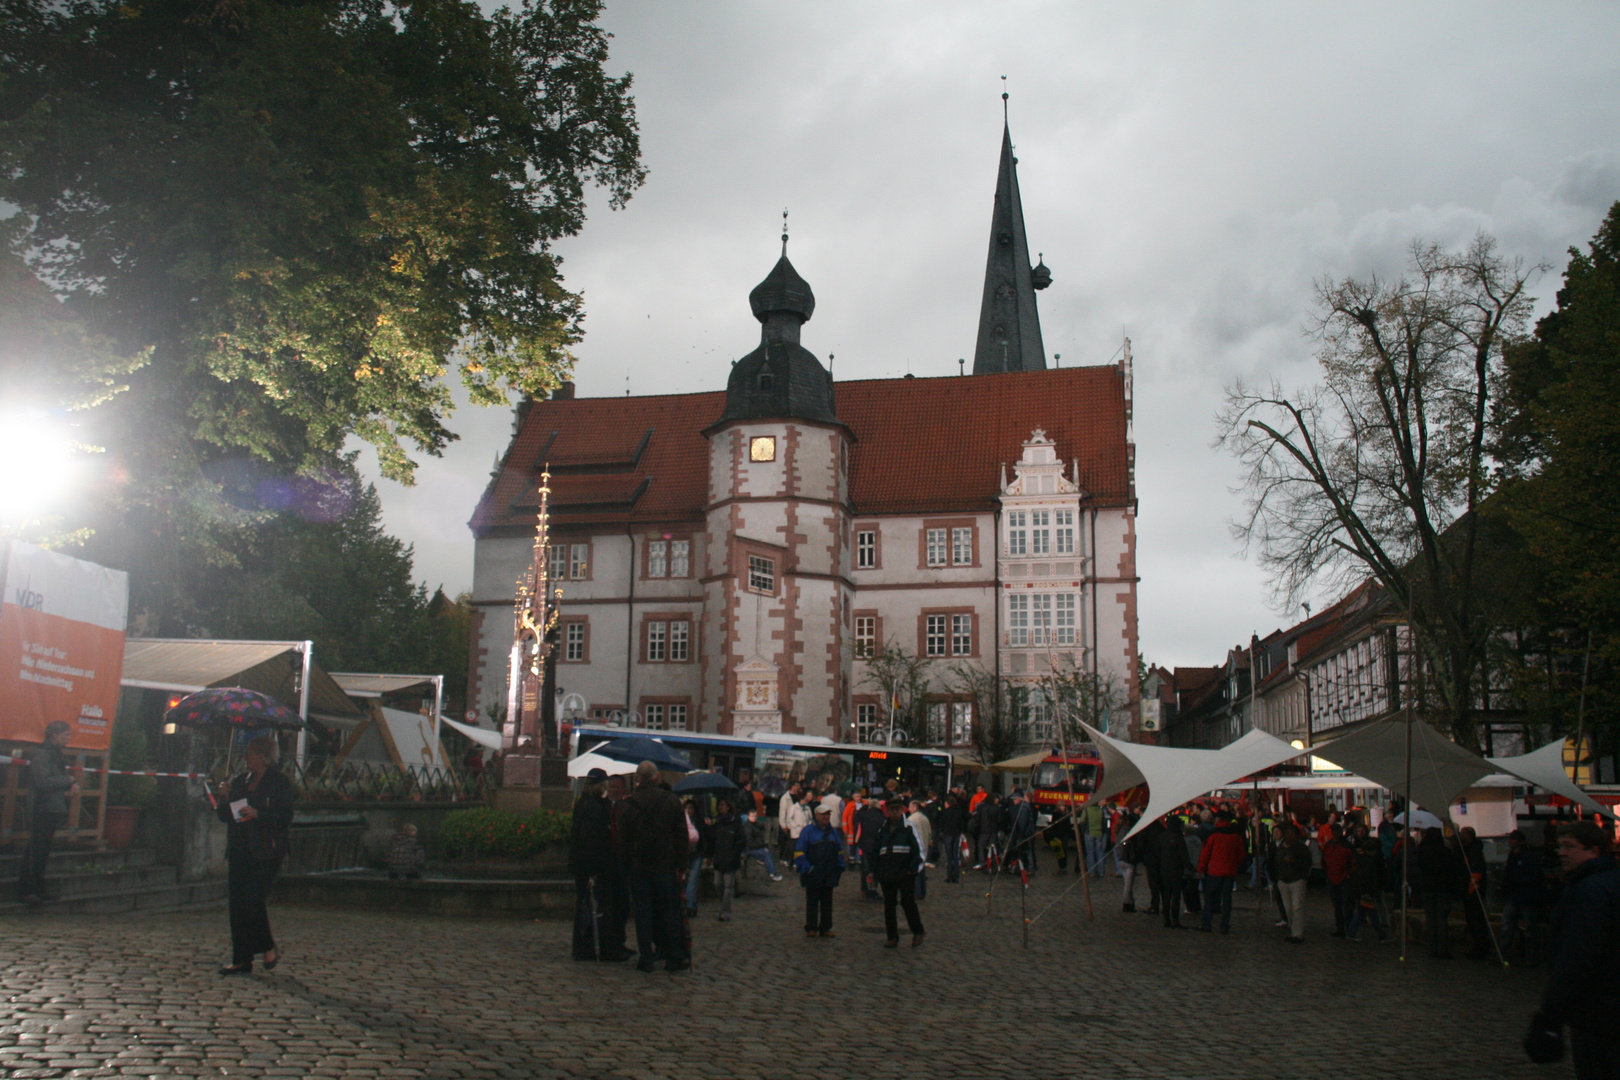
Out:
{"x": 27, "y": 599}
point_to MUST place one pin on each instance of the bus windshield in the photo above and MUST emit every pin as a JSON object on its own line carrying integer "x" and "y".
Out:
{"x": 1051, "y": 774}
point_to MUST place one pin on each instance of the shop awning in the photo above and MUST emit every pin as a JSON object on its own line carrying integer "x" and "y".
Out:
{"x": 1022, "y": 763}
{"x": 186, "y": 665}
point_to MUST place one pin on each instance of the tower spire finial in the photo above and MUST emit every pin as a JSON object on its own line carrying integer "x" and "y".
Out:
{"x": 784, "y": 232}
{"x": 1004, "y": 119}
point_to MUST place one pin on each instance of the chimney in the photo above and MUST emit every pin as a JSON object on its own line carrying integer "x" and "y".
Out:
{"x": 564, "y": 391}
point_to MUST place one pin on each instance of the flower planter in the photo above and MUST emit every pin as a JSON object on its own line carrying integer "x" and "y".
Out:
{"x": 118, "y": 827}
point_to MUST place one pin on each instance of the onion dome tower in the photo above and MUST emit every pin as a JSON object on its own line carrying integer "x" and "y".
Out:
{"x": 781, "y": 378}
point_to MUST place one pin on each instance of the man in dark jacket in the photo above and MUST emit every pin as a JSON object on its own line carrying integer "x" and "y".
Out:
{"x": 1170, "y": 852}
{"x": 869, "y": 821}
{"x": 1219, "y": 861}
{"x": 728, "y": 841}
{"x": 1440, "y": 879}
{"x": 986, "y": 827}
{"x": 1583, "y": 987}
{"x": 1471, "y": 851}
{"x": 896, "y": 861}
{"x": 952, "y": 823}
{"x": 1021, "y": 832}
{"x": 1522, "y": 893}
{"x": 590, "y": 860}
{"x": 49, "y": 787}
{"x": 652, "y": 830}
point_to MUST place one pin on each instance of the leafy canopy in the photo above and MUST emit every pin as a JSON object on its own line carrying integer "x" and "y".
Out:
{"x": 299, "y": 211}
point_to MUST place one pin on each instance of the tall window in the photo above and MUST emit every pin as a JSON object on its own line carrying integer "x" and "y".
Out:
{"x": 1017, "y": 532}
{"x": 961, "y": 635}
{"x": 579, "y": 556}
{"x": 761, "y": 574}
{"x": 677, "y": 717}
{"x": 936, "y": 547}
{"x": 1040, "y": 619}
{"x": 653, "y": 713}
{"x": 962, "y": 547}
{"x": 1065, "y": 531}
{"x": 657, "y": 558}
{"x": 865, "y": 636}
{"x": 938, "y": 711}
{"x": 558, "y": 566}
{"x": 865, "y": 550}
{"x": 866, "y": 722}
{"x": 680, "y": 635}
{"x": 934, "y": 635}
{"x": 574, "y": 641}
{"x": 656, "y": 641}
{"x": 1065, "y": 618}
{"x": 680, "y": 559}
{"x": 1040, "y": 532}
{"x": 1038, "y": 725}
{"x": 1018, "y": 619}
{"x": 961, "y": 723}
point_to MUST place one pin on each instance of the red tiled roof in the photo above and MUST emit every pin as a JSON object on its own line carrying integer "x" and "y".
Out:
{"x": 922, "y": 446}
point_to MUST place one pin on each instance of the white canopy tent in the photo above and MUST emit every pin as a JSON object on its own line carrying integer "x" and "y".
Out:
{"x": 1173, "y": 775}
{"x": 490, "y": 739}
{"x": 1545, "y": 769}
{"x": 583, "y": 764}
{"x": 1440, "y": 769}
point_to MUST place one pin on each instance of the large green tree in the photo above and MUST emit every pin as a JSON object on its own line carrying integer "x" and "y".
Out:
{"x": 1559, "y": 444}
{"x": 276, "y": 225}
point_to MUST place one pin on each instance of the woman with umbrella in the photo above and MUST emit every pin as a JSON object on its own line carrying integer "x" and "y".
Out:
{"x": 257, "y": 808}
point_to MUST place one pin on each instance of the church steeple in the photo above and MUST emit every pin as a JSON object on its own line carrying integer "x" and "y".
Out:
{"x": 1009, "y": 327}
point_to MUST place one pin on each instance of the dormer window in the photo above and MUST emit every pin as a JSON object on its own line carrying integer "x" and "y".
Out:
{"x": 764, "y": 380}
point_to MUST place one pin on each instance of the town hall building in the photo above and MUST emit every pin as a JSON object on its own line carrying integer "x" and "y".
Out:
{"x": 730, "y": 560}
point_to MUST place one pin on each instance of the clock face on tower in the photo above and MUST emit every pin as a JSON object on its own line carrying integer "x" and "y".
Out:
{"x": 762, "y": 448}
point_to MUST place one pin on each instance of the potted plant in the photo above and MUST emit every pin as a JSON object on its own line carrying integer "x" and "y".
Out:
{"x": 126, "y": 795}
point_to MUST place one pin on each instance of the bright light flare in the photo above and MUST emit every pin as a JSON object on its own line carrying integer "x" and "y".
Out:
{"x": 39, "y": 465}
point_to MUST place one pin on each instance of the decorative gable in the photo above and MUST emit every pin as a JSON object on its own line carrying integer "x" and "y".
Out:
{"x": 1039, "y": 471}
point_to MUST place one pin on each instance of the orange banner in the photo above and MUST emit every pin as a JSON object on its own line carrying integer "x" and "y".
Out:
{"x": 61, "y": 646}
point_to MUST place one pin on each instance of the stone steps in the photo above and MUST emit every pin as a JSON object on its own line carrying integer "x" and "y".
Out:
{"x": 106, "y": 883}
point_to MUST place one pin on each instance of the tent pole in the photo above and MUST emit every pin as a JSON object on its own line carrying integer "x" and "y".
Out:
{"x": 1406, "y": 840}
{"x": 1074, "y": 822}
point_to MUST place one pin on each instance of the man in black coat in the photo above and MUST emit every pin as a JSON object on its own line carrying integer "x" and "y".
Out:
{"x": 590, "y": 860}
{"x": 897, "y": 857}
{"x": 49, "y": 786}
{"x": 727, "y": 842}
{"x": 869, "y": 821}
{"x": 652, "y": 832}
{"x": 952, "y": 821}
{"x": 1583, "y": 987}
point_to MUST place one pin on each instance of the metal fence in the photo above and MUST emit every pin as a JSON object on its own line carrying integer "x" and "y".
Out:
{"x": 326, "y": 781}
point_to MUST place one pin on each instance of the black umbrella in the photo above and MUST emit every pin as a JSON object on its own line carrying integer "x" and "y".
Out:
{"x": 704, "y": 781}
{"x": 637, "y": 748}
{"x": 234, "y": 706}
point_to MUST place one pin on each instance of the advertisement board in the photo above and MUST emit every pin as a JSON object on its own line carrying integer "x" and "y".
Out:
{"x": 62, "y": 624}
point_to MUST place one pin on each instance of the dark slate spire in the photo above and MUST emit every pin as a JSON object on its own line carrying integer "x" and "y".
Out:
{"x": 1009, "y": 328}
{"x": 781, "y": 379}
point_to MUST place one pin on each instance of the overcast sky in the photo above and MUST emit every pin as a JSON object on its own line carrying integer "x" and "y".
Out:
{"x": 1187, "y": 170}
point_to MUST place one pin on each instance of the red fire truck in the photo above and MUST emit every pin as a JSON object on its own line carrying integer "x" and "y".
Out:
{"x": 1059, "y": 781}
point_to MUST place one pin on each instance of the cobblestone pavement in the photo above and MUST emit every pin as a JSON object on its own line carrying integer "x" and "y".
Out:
{"x": 362, "y": 995}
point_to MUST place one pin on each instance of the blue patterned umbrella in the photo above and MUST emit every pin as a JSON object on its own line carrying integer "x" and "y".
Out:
{"x": 234, "y": 706}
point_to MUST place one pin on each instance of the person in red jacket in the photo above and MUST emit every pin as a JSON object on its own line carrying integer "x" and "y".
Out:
{"x": 1338, "y": 859}
{"x": 1218, "y": 866}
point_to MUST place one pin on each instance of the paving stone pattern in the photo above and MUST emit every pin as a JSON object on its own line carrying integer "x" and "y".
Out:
{"x": 397, "y": 995}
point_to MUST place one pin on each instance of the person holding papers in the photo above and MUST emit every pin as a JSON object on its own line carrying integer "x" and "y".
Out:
{"x": 256, "y": 807}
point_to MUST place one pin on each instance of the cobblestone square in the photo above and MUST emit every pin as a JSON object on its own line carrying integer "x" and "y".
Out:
{"x": 374, "y": 995}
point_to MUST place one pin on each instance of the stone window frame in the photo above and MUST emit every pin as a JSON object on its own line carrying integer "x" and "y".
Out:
{"x": 744, "y": 548}
{"x": 669, "y": 539}
{"x": 950, "y": 652}
{"x": 876, "y": 532}
{"x": 667, "y": 619}
{"x": 564, "y": 623}
{"x": 860, "y": 703}
{"x": 947, "y": 524}
{"x": 877, "y": 631}
{"x": 666, "y": 705}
